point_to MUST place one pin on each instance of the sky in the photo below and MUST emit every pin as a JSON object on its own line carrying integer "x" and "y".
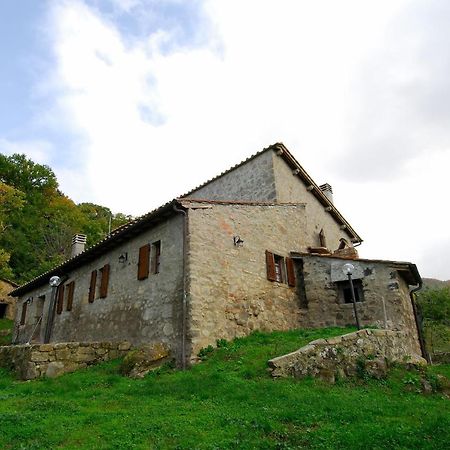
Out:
{"x": 135, "y": 102}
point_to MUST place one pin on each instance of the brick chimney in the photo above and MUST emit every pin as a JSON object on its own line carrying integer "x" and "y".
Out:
{"x": 78, "y": 244}
{"x": 326, "y": 189}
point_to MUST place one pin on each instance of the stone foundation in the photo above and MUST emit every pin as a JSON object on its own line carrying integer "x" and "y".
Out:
{"x": 344, "y": 356}
{"x": 37, "y": 360}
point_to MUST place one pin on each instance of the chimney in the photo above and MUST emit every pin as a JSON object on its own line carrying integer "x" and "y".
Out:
{"x": 78, "y": 244}
{"x": 326, "y": 189}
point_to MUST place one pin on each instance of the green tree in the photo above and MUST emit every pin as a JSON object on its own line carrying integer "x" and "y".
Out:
{"x": 435, "y": 309}
{"x": 37, "y": 221}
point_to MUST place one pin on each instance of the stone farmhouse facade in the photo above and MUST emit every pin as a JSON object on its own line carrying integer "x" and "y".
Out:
{"x": 259, "y": 247}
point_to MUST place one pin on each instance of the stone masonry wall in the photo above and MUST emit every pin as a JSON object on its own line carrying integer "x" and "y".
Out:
{"x": 229, "y": 293}
{"x": 343, "y": 356}
{"x": 290, "y": 188}
{"x": 386, "y": 303}
{"x": 38, "y": 360}
{"x": 252, "y": 181}
{"x": 138, "y": 311}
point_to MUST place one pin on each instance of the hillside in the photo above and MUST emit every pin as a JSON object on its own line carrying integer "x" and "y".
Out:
{"x": 432, "y": 283}
{"x": 227, "y": 402}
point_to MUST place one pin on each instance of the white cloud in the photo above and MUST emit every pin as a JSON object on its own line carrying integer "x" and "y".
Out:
{"x": 153, "y": 123}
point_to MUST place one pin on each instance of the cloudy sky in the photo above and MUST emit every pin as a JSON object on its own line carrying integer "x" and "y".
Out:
{"x": 134, "y": 102}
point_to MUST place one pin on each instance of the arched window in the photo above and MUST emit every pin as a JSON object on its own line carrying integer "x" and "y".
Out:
{"x": 343, "y": 244}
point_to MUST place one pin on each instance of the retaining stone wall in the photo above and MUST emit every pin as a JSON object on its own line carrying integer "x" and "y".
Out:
{"x": 51, "y": 360}
{"x": 344, "y": 356}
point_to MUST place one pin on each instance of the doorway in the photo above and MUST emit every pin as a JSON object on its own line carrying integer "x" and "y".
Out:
{"x": 3, "y": 309}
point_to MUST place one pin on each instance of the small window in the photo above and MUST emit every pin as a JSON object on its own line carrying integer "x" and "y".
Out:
{"x": 345, "y": 291}
{"x": 156, "y": 257}
{"x": 322, "y": 239}
{"x": 343, "y": 244}
{"x": 279, "y": 268}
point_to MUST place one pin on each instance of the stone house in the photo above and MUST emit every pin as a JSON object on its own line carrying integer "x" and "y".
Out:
{"x": 7, "y": 303}
{"x": 261, "y": 246}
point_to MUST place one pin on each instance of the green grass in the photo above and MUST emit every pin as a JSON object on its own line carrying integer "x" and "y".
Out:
{"x": 6, "y": 324}
{"x": 226, "y": 402}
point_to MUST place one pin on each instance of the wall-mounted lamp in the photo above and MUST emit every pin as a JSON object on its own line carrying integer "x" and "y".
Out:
{"x": 55, "y": 281}
{"x": 237, "y": 241}
{"x": 29, "y": 300}
{"x": 123, "y": 258}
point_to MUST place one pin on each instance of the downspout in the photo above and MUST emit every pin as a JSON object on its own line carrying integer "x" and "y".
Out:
{"x": 418, "y": 320}
{"x": 184, "y": 298}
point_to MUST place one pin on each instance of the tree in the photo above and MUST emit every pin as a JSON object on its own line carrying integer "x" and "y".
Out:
{"x": 435, "y": 310}
{"x": 37, "y": 221}
{"x": 22, "y": 173}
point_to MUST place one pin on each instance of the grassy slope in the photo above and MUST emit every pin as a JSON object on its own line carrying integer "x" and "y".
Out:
{"x": 228, "y": 401}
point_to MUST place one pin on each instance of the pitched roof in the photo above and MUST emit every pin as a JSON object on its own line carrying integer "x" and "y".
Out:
{"x": 116, "y": 237}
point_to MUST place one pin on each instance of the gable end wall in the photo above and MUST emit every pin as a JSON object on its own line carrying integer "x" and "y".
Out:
{"x": 253, "y": 181}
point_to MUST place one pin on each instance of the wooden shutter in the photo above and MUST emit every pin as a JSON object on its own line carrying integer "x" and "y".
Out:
{"x": 60, "y": 302}
{"x": 144, "y": 262}
{"x": 105, "y": 281}
{"x": 92, "y": 286}
{"x": 290, "y": 272}
{"x": 24, "y": 313}
{"x": 270, "y": 266}
{"x": 70, "y": 290}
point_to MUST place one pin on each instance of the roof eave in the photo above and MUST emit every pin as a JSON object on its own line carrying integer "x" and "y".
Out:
{"x": 113, "y": 240}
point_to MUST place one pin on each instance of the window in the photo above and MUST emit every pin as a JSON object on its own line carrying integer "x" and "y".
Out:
{"x": 156, "y": 256}
{"x": 322, "y": 239}
{"x": 280, "y": 269}
{"x": 343, "y": 244}
{"x": 345, "y": 291}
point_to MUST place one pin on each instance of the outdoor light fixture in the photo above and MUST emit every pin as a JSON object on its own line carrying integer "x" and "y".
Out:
{"x": 29, "y": 300}
{"x": 123, "y": 258}
{"x": 55, "y": 281}
{"x": 238, "y": 242}
{"x": 348, "y": 270}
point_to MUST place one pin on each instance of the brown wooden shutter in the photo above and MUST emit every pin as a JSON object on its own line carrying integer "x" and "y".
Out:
{"x": 105, "y": 281}
{"x": 60, "y": 302}
{"x": 24, "y": 313}
{"x": 70, "y": 290}
{"x": 290, "y": 272}
{"x": 92, "y": 286}
{"x": 270, "y": 266}
{"x": 144, "y": 262}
